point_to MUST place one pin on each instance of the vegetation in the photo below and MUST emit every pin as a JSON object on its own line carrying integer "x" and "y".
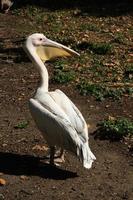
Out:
{"x": 105, "y": 49}
{"x": 119, "y": 38}
{"x": 97, "y": 48}
{"x": 63, "y": 76}
{"x": 100, "y": 92}
{"x": 62, "y": 73}
{"x": 115, "y": 129}
{"x": 21, "y": 125}
{"x": 128, "y": 72}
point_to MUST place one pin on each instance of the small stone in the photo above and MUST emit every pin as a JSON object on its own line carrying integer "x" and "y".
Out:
{"x": 41, "y": 148}
{"x": 1, "y": 196}
{"x": 88, "y": 125}
{"x": 23, "y": 177}
{"x": 107, "y": 106}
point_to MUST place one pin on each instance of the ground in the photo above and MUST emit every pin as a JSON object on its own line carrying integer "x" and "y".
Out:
{"x": 21, "y": 145}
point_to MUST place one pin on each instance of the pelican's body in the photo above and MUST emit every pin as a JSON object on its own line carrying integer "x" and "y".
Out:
{"x": 58, "y": 119}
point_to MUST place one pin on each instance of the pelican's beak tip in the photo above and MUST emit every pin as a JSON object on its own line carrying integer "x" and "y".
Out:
{"x": 77, "y": 54}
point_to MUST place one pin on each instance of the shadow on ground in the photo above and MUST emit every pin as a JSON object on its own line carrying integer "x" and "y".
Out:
{"x": 15, "y": 52}
{"x": 15, "y": 164}
{"x": 87, "y": 7}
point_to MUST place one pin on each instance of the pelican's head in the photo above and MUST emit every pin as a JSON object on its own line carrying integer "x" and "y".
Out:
{"x": 46, "y": 48}
{"x": 36, "y": 39}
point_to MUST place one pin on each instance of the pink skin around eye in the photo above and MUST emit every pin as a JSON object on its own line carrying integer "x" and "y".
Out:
{"x": 37, "y": 42}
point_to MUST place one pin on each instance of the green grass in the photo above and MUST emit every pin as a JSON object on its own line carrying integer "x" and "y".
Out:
{"x": 91, "y": 89}
{"x": 128, "y": 72}
{"x": 89, "y": 35}
{"x": 131, "y": 31}
{"x": 89, "y": 27}
{"x": 119, "y": 38}
{"x": 22, "y": 125}
{"x": 63, "y": 76}
{"x": 97, "y": 48}
{"x": 62, "y": 73}
{"x": 101, "y": 48}
{"x": 101, "y": 92}
{"x": 115, "y": 129}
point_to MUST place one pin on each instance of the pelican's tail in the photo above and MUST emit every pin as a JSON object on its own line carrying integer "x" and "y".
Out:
{"x": 86, "y": 156}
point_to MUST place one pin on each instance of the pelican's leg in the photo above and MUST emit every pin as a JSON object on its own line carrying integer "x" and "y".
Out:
{"x": 6, "y": 11}
{"x": 52, "y": 152}
{"x": 60, "y": 157}
{"x": 55, "y": 157}
{"x": 62, "y": 153}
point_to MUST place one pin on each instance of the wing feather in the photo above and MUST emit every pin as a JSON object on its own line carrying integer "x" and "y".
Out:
{"x": 72, "y": 112}
{"x": 57, "y": 129}
{"x": 59, "y": 103}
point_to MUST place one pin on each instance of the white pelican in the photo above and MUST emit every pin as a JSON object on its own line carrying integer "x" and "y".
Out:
{"x": 58, "y": 119}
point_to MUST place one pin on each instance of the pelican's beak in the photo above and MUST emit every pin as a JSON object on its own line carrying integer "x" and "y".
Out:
{"x": 51, "y": 49}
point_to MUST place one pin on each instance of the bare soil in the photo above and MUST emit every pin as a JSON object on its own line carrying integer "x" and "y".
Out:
{"x": 21, "y": 150}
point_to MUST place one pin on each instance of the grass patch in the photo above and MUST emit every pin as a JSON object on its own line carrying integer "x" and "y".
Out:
{"x": 128, "y": 73}
{"x": 115, "y": 129}
{"x": 63, "y": 74}
{"x": 21, "y": 125}
{"x": 131, "y": 31}
{"x": 89, "y": 27}
{"x": 100, "y": 92}
{"x": 102, "y": 59}
{"x": 97, "y": 48}
{"x": 100, "y": 48}
{"x": 119, "y": 38}
{"x": 91, "y": 89}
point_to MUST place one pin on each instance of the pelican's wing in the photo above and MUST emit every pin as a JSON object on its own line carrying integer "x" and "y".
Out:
{"x": 54, "y": 123}
{"x": 58, "y": 129}
{"x": 72, "y": 113}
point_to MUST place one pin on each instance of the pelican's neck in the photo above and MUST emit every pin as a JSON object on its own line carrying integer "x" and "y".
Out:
{"x": 41, "y": 67}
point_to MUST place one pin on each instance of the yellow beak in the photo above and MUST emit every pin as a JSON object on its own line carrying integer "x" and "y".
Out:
{"x": 51, "y": 49}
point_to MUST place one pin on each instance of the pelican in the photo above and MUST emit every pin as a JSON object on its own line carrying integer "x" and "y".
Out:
{"x": 58, "y": 119}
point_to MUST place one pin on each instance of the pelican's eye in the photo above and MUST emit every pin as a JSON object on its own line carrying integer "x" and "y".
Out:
{"x": 40, "y": 39}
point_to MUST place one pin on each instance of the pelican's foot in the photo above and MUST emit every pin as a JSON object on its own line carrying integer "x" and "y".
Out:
{"x": 54, "y": 158}
{"x": 59, "y": 160}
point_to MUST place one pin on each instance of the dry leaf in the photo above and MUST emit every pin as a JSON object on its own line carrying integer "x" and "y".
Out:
{"x": 107, "y": 106}
{"x": 23, "y": 177}
{"x": 131, "y": 54}
{"x": 41, "y": 148}
{"x": 88, "y": 125}
{"x": 111, "y": 118}
{"x": 130, "y": 60}
{"x": 2, "y": 182}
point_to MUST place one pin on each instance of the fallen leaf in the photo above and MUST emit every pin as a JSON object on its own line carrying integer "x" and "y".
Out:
{"x": 23, "y": 177}
{"x": 107, "y": 106}
{"x": 131, "y": 54}
{"x": 130, "y": 60}
{"x": 2, "y": 182}
{"x": 88, "y": 125}
{"x": 111, "y": 118}
{"x": 41, "y": 148}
